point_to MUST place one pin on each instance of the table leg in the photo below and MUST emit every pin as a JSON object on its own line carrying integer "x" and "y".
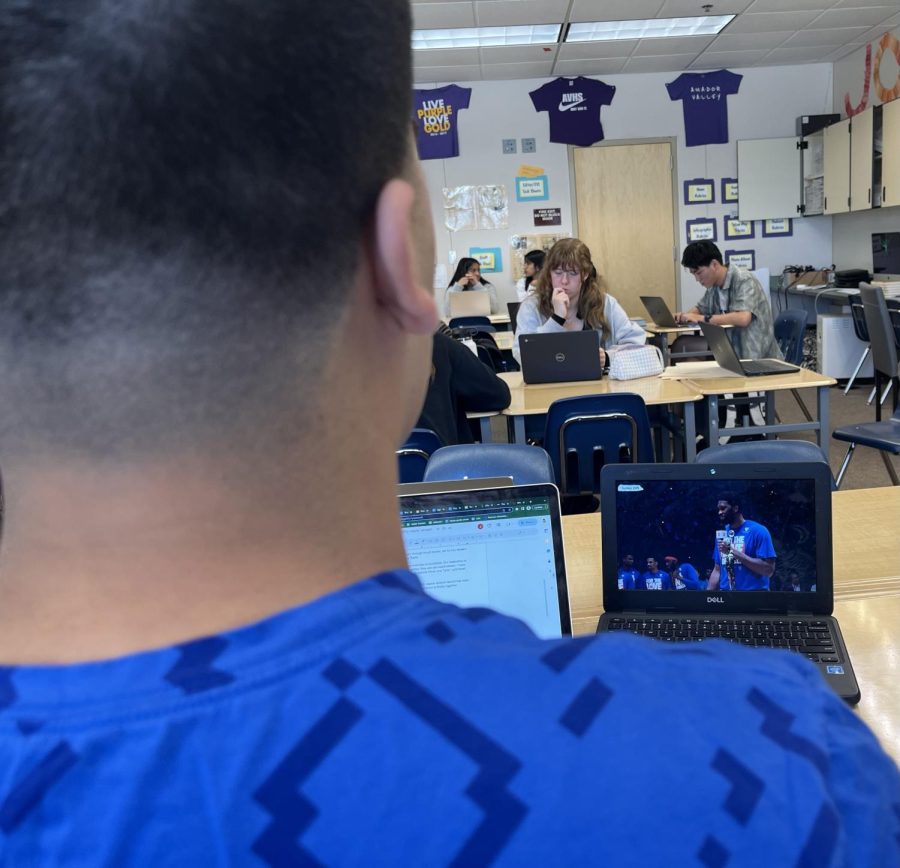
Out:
{"x": 485, "y": 425}
{"x": 690, "y": 433}
{"x": 824, "y": 422}
{"x": 712, "y": 403}
{"x": 519, "y": 429}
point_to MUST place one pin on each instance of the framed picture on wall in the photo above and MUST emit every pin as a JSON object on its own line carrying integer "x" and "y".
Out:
{"x": 699, "y": 191}
{"x": 741, "y": 258}
{"x": 729, "y": 190}
{"x": 735, "y": 228}
{"x": 701, "y": 229}
{"x": 781, "y": 227}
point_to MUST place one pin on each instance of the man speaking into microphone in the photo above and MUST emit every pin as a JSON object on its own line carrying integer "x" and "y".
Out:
{"x": 744, "y": 551}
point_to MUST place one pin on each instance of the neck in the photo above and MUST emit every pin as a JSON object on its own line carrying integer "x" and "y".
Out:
{"x": 102, "y": 560}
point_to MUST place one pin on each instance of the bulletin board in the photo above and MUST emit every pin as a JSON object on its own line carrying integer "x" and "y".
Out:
{"x": 519, "y": 245}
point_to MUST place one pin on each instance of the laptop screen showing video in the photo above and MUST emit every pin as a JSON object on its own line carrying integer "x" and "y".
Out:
{"x": 716, "y": 535}
{"x": 500, "y": 549}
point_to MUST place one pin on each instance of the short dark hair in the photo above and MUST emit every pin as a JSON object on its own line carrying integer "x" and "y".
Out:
{"x": 536, "y": 258}
{"x": 700, "y": 253}
{"x": 173, "y": 172}
{"x": 730, "y": 498}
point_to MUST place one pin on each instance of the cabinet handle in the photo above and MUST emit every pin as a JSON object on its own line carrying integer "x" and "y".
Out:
{"x": 826, "y": 203}
{"x": 883, "y": 195}
{"x": 869, "y": 196}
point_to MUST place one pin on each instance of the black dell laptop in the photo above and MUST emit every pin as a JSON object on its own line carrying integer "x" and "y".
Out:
{"x": 560, "y": 357}
{"x": 727, "y": 358}
{"x": 741, "y": 552}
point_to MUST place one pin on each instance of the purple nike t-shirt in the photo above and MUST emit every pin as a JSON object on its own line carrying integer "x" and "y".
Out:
{"x": 434, "y": 114}
{"x": 573, "y": 105}
{"x": 702, "y": 95}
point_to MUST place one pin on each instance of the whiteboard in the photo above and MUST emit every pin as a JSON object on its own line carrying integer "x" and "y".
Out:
{"x": 768, "y": 178}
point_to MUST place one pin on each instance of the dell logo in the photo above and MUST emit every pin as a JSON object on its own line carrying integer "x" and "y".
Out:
{"x": 715, "y": 599}
{"x": 560, "y": 357}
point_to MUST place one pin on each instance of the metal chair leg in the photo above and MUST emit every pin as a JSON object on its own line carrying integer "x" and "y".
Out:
{"x": 806, "y": 412}
{"x": 871, "y": 396}
{"x": 859, "y": 365}
{"x": 887, "y": 391}
{"x": 890, "y": 467}
{"x": 843, "y": 470}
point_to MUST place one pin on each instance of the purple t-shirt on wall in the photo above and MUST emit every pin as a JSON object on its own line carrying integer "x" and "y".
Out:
{"x": 434, "y": 114}
{"x": 573, "y": 105}
{"x": 705, "y": 107}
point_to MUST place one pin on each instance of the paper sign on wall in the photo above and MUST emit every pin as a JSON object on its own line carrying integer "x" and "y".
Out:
{"x": 531, "y": 189}
{"x": 489, "y": 258}
{"x": 547, "y": 216}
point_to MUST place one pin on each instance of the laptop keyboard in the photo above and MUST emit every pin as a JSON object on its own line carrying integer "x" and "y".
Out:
{"x": 813, "y": 639}
{"x": 751, "y": 367}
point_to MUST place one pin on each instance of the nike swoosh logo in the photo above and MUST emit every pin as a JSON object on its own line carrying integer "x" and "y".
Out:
{"x": 565, "y": 106}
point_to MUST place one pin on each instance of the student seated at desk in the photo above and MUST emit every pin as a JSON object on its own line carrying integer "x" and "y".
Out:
{"x": 534, "y": 262}
{"x": 569, "y": 295}
{"x": 460, "y": 383}
{"x": 467, "y": 278}
{"x": 733, "y": 297}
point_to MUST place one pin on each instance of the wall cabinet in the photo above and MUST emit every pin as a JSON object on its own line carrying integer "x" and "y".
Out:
{"x": 890, "y": 159}
{"x": 837, "y": 168}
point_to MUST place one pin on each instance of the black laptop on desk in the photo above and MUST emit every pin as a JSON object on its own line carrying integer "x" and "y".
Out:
{"x": 659, "y": 312}
{"x": 727, "y": 358}
{"x": 784, "y": 522}
{"x": 560, "y": 357}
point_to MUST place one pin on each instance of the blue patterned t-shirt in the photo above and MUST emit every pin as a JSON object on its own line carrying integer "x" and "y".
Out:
{"x": 376, "y": 726}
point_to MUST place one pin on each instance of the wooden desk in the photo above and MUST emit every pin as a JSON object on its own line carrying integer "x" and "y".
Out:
{"x": 504, "y": 340}
{"x": 533, "y": 400}
{"x": 867, "y": 594}
{"x": 704, "y": 378}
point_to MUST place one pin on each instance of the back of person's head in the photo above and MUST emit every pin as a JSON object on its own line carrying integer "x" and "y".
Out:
{"x": 462, "y": 268}
{"x": 184, "y": 194}
{"x": 536, "y": 258}
{"x": 699, "y": 254}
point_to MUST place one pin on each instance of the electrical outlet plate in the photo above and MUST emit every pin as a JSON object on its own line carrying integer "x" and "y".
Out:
{"x": 509, "y": 146}
{"x": 528, "y": 146}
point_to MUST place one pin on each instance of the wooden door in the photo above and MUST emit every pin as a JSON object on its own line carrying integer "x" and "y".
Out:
{"x": 861, "y": 130}
{"x": 890, "y": 160}
{"x": 837, "y": 167}
{"x": 624, "y": 207}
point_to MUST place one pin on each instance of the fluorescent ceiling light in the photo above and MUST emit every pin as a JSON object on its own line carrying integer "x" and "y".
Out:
{"x": 477, "y": 37}
{"x": 653, "y": 28}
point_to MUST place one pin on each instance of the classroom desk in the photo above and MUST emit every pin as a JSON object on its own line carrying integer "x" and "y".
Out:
{"x": 533, "y": 400}
{"x": 867, "y": 594}
{"x": 703, "y": 377}
{"x": 496, "y": 319}
{"x": 504, "y": 340}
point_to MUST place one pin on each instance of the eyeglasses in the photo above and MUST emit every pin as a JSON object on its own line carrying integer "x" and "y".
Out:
{"x": 560, "y": 272}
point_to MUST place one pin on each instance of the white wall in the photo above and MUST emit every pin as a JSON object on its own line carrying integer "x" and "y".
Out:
{"x": 853, "y": 232}
{"x": 769, "y": 101}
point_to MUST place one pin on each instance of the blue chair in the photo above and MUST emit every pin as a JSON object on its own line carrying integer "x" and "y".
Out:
{"x": 413, "y": 455}
{"x": 754, "y": 451}
{"x": 527, "y": 465}
{"x": 584, "y": 434}
{"x": 883, "y": 435}
{"x": 790, "y": 328}
{"x": 482, "y": 323}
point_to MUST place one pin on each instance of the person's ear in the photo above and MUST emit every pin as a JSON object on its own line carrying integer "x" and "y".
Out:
{"x": 400, "y": 243}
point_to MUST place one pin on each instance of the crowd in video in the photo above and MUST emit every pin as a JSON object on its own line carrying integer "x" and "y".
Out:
{"x": 719, "y": 536}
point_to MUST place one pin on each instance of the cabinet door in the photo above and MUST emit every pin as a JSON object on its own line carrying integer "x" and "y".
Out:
{"x": 837, "y": 167}
{"x": 861, "y": 128}
{"x": 890, "y": 159}
{"x": 768, "y": 178}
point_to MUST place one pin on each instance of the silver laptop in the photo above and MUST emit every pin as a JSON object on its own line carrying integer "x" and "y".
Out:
{"x": 659, "y": 312}
{"x": 777, "y": 514}
{"x": 497, "y": 548}
{"x": 470, "y": 303}
{"x": 727, "y": 358}
{"x": 560, "y": 357}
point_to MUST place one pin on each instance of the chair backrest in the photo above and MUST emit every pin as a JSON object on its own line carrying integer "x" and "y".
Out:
{"x": 763, "y": 450}
{"x": 584, "y": 434}
{"x": 527, "y": 465}
{"x": 688, "y": 348}
{"x": 859, "y": 319}
{"x": 513, "y": 308}
{"x": 894, "y": 314}
{"x": 471, "y": 322}
{"x": 413, "y": 455}
{"x": 881, "y": 333}
{"x": 790, "y": 327}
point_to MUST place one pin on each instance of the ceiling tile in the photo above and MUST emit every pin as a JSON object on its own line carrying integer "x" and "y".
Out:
{"x": 494, "y": 13}
{"x": 588, "y": 67}
{"x": 810, "y": 54}
{"x": 877, "y": 32}
{"x": 791, "y": 5}
{"x": 518, "y": 54}
{"x": 840, "y": 53}
{"x": 770, "y": 21}
{"x": 594, "y": 50}
{"x": 859, "y": 4}
{"x": 517, "y": 70}
{"x": 614, "y": 10}
{"x": 727, "y": 59}
{"x": 870, "y": 17}
{"x": 689, "y": 8}
{"x": 446, "y": 57}
{"x": 672, "y": 45}
{"x": 749, "y": 41}
{"x": 662, "y": 63}
{"x": 436, "y": 16}
{"x": 444, "y": 74}
{"x": 834, "y": 38}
